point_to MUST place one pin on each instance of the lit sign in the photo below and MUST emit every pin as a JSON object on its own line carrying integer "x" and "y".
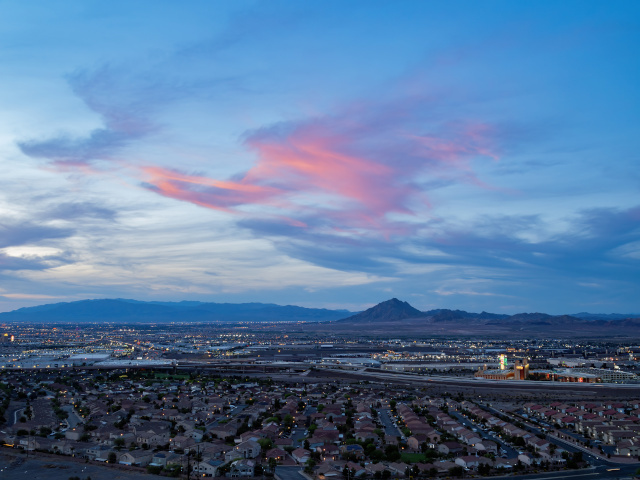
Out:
{"x": 503, "y": 362}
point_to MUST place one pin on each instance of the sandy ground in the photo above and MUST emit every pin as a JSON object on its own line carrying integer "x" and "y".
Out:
{"x": 19, "y": 467}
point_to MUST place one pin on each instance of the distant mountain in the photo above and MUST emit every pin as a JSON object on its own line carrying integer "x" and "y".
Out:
{"x": 605, "y": 316}
{"x": 397, "y": 317}
{"x": 131, "y": 311}
{"x": 444, "y": 315}
{"x": 543, "y": 318}
{"x": 390, "y": 311}
{"x": 390, "y": 317}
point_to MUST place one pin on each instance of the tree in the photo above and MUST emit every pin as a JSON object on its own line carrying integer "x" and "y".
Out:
{"x": 112, "y": 458}
{"x": 265, "y": 444}
{"x": 308, "y": 469}
{"x": 392, "y": 453}
{"x": 456, "y": 471}
{"x": 484, "y": 469}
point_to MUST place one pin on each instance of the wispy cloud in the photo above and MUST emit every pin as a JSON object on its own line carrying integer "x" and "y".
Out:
{"x": 14, "y": 234}
{"x": 358, "y": 171}
{"x": 123, "y": 109}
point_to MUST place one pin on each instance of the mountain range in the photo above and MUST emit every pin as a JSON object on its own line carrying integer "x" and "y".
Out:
{"x": 391, "y": 316}
{"x": 395, "y": 316}
{"x": 133, "y": 311}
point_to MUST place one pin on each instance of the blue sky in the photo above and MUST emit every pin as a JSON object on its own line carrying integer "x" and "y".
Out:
{"x": 472, "y": 155}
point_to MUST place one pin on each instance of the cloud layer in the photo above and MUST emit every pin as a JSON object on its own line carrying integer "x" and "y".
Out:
{"x": 483, "y": 159}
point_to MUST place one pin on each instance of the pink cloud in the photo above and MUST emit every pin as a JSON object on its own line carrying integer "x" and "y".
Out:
{"x": 206, "y": 192}
{"x": 362, "y": 167}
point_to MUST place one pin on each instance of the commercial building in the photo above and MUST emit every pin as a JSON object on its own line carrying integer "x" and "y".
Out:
{"x": 607, "y": 375}
{"x": 520, "y": 370}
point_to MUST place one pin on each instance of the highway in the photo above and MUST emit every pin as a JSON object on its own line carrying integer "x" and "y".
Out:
{"x": 595, "y": 473}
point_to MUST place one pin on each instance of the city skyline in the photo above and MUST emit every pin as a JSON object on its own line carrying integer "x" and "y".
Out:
{"x": 322, "y": 154}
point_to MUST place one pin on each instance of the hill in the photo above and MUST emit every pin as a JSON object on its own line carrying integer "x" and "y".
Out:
{"x": 132, "y": 311}
{"x": 390, "y": 311}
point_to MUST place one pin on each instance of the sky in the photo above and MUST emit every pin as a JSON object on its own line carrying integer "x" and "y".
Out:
{"x": 480, "y": 155}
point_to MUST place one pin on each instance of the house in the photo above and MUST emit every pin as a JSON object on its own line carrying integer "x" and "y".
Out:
{"x": 276, "y": 453}
{"x": 301, "y": 455}
{"x": 73, "y": 434}
{"x": 242, "y": 468}
{"x": 504, "y": 463}
{"x": 372, "y": 468}
{"x": 67, "y": 447}
{"x": 248, "y": 449}
{"x": 487, "y": 446}
{"x": 450, "y": 447}
{"x": 208, "y": 467}
{"x": 354, "y": 449}
{"x": 469, "y": 437}
{"x": 139, "y": 458}
{"x": 162, "y": 459}
{"x": 181, "y": 442}
{"x": 329, "y": 451}
{"x": 529, "y": 459}
{"x": 327, "y": 470}
{"x": 195, "y": 433}
{"x": 152, "y": 439}
{"x": 628, "y": 448}
{"x": 357, "y": 469}
{"x": 471, "y": 461}
{"x": 223, "y": 431}
{"x": 99, "y": 453}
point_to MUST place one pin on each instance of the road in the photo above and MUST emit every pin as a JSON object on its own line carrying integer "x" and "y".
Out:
{"x": 388, "y": 425}
{"x": 16, "y": 415}
{"x": 511, "y": 452}
{"x": 608, "y": 389}
{"x": 289, "y": 473}
{"x": 598, "y": 473}
{"x": 73, "y": 419}
{"x": 298, "y": 436}
{"x": 597, "y": 461}
{"x": 232, "y": 412}
{"x": 14, "y": 412}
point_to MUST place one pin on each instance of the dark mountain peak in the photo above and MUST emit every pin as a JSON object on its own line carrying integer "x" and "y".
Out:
{"x": 388, "y": 311}
{"x": 394, "y": 302}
